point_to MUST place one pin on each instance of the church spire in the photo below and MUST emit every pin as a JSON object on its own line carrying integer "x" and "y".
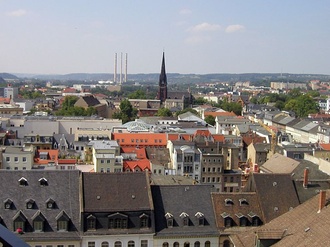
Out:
{"x": 162, "y": 90}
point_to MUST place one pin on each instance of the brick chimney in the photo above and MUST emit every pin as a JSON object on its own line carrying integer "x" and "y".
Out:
{"x": 322, "y": 197}
{"x": 305, "y": 182}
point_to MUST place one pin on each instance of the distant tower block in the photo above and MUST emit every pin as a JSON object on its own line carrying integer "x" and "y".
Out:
{"x": 115, "y": 69}
{"x": 125, "y": 80}
{"x": 121, "y": 68}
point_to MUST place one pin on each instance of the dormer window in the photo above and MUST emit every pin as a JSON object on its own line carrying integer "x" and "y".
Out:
{"x": 23, "y": 181}
{"x": 91, "y": 222}
{"x": 43, "y": 182}
{"x": 169, "y": 219}
{"x": 30, "y": 204}
{"x": 38, "y": 221}
{"x": 50, "y": 203}
{"x": 229, "y": 202}
{"x": 201, "y": 218}
{"x": 227, "y": 219}
{"x": 118, "y": 221}
{"x": 243, "y": 202}
{"x": 63, "y": 221}
{"x": 144, "y": 221}
{"x": 19, "y": 222}
{"x": 254, "y": 219}
{"x": 185, "y": 219}
{"x": 242, "y": 219}
{"x": 8, "y": 203}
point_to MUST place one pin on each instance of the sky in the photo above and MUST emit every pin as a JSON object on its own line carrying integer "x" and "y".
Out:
{"x": 198, "y": 37}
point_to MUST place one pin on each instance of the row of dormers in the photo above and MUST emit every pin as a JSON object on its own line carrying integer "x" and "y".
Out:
{"x": 29, "y": 204}
{"x": 242, "y": 202}
{"x": 23, "y": 181}
{"x": 39, "y": 222}
{"x": 184, "y": 217}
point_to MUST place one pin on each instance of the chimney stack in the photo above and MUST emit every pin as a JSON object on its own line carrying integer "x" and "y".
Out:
{"x": 305, "y": 183}
{"x": 322, "y": 197}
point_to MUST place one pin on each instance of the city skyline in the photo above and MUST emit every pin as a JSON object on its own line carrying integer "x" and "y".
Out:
{"x": 60, "y": 37}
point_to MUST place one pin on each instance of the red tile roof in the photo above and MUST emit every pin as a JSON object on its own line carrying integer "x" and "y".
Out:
{"x": 325, "y": 146}
{"x": 66, "y": 161}
{"x": 140, "y": 152}
{"x": 141, "y": 139}
{"x": 51, "y": 157}
{"x": 136, "y": 165}
{"x": 175, "y": 137}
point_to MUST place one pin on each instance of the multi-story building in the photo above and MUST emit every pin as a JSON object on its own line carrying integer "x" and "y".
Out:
{"x": 42, "y": 207}
{"x": 17, "y": 158}
{"x": 106, "y": 156}
{"x": 118, "y": 210}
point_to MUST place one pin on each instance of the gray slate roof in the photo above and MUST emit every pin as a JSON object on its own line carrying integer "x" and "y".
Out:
{"x": 62, "y": 187}
{"x": 180, "y": 199}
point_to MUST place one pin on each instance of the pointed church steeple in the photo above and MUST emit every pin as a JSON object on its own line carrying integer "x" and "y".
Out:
{"x": 162, "y": 86}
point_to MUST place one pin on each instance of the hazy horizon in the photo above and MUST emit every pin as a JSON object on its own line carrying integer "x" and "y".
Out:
{"x": 65, "y": 37}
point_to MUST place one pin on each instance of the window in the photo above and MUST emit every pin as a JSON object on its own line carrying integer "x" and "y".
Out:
{"x": 108, "y": 161}
{"x": 243, "y": 221}
{"x": 197, "y": 244}
{"x": 102, "y": 169}
{"x": 16, "y": 159}
{"x": 38, "y": 226}
{"x": 226, "y": 243}
{"x": 91, "y": 222}
{"x": 19, "y": 224}
{"x": 102, "y": 161}
{"x": 130, "y": 243}
{"x": 91, "y": 244}
{"x": 165, "y": 244}
{"x": 144, "y": 243}
{"x": 228, "y": 222}
{"x": 186, "y": 244}
{"x": 108, "y": 169}
{"x": 117, "y": 244}
{"x": 62, "y": 225}
{"x": 207, "y": 244}
{"x": 144, "y": 221}
{"x": 8, "y": 159}
{"x": 104, "y": 244}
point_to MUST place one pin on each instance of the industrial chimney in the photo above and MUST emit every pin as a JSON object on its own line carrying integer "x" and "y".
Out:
{"x": 115, "y": 70}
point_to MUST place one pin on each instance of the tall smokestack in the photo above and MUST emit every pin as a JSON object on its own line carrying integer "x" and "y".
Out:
{"x": 115, "y": 69}
{"x": 125, "y": 80}
{"x": 121, "y": 68}
{"x": 322, "y": 200}
{"x": 305, "y": 183}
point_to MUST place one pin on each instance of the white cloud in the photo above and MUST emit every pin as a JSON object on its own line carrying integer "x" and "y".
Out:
{"x": 17, "y": 13}
{"x": 205, "y": 27}
{"x": 185, "y": 12}
{"x": 193, "y": 40}
{"x": 234, "y": 28}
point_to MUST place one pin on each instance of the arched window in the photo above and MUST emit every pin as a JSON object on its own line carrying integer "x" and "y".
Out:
{"x": 130, "y": 244}
{"x": 186, "y": 244}
{"x": 176, "y": 244}
{"x": 105, "y": 244}
{"x": 165, "y": 244}
{"x": 207, "y": 244}
{"x": 226, "y": 243}
{"x": 197, "y": 244}
{"x": 117, "y": 244}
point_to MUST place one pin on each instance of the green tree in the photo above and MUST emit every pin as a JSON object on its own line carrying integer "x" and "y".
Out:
{"x": 302, "y": 105}
{"x": 164, "y": 112}
{"x": 210, "y": 120}
{"x": 127, "y": 112}
{"x": 200, "y": 101}
{"x": 138, "y": 94}
{"x": 69, "y": 102}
